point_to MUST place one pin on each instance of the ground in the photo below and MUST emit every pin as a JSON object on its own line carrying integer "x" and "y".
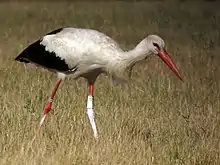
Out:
{"x": 156, "y": 119}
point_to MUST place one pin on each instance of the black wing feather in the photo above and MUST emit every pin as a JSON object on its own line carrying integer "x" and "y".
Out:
{"x": 36, "y": 53}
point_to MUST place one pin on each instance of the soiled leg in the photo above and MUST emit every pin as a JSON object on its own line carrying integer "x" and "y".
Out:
{"x": 48, "y": 105}
{"x": 90, "y": 111}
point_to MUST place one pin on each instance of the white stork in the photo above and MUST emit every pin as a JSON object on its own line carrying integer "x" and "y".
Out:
{"x": 88, "y": 53}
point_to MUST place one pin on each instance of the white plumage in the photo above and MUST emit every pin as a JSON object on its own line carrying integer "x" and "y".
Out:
{"x": 88, "y": 53}
{"x": 83, "y": 47}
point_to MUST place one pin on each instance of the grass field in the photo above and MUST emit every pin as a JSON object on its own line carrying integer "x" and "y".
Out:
{"x": 157, "y": 119}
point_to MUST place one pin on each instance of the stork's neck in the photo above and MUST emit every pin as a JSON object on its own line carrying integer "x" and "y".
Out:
{"x": 139, "y": 53}
{"x": 122, "y": 66}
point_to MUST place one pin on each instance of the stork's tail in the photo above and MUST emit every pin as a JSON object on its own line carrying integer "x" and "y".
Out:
{"x": 28, "y": 53}
{"x": 21, "y": 58}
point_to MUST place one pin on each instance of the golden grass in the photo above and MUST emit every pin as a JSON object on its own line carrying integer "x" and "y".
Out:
{"x": 158, "y": 120}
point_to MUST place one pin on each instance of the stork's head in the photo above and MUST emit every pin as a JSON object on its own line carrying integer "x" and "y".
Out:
{"x": 156, "y": 46}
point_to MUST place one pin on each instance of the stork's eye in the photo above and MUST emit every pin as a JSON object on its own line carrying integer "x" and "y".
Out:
{"x": 156, "y": 45}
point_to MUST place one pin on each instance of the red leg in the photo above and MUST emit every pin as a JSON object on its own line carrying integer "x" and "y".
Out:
{"x": 48, "y": 105}
{"x": 91, "y": 89}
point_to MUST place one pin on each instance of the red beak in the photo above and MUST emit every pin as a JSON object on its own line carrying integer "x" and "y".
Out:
{"x": 167, "y": 60}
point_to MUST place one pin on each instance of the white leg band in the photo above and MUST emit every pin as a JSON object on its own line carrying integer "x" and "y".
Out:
{"x": 90, "y": 113}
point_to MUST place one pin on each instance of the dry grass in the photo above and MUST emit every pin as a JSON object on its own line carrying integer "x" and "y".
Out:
{"x": 159, "y": 120}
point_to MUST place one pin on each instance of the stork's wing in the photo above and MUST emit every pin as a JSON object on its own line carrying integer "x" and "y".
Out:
{"x": 38, "y": 54}
{"x": 51, "y": 52}
{"x": 69, "y": 48}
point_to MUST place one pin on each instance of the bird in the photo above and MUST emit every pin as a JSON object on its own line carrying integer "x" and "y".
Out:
{"x": 87, "y": 53}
